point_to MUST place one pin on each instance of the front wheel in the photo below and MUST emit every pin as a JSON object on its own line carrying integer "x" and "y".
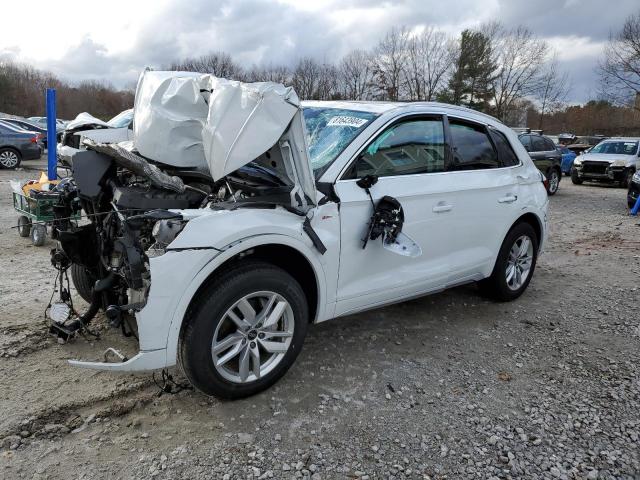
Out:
{"x": 554, "y": 181}
{"x": 575, "y": 179}
{"x": 244, "y": 331}
{"x": 515, "y": 264}
{"x": 38, "y": 234}
{"x": 627, "y": 179}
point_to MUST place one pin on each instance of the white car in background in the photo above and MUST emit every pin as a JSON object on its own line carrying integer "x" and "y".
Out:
{"x": 85, "y": 125}
{"x": 234, "y": 285}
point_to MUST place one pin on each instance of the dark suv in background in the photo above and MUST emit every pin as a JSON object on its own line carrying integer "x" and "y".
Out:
{"x": 545, "y": 156}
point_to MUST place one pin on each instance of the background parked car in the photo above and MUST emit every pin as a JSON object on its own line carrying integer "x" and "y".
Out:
{"x": 582, "y": 144}
{"x": 568, "y": 157}
{"x": 17, "y": 145}
{"x": 545, "y": 156}
{"x": 32, "y": 127}
{"x": 118, "y": 129}
{"x": 613, "y": 160}
{"x": 60, "y": 124}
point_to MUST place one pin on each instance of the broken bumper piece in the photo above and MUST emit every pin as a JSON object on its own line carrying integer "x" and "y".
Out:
{"x": 144, "y": 360}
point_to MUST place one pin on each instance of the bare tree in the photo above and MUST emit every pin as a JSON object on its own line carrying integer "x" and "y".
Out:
{"x": 219, "y": 64}
{"x": 554, "y": 87}
{"x": 519, "y": 57}
{"x": 305, "y": 77}
{"x": 270, "y": 73}
{"x": 620, "y": 68}
{"x": 389, "y": 62}
{"x": 430, "y": 55}
{"x": 356, "y": 75}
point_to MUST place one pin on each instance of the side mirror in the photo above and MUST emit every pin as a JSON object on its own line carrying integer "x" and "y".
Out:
{"x": 367, "y": 181}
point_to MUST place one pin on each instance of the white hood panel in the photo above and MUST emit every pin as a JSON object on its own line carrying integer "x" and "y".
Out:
{"x": 188, "y": 119}
{"x": 245, "y": 120}
{"x": 170, "y": 111}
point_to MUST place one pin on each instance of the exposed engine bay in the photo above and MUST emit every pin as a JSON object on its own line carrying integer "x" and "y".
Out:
{"x": 126, "y": 202}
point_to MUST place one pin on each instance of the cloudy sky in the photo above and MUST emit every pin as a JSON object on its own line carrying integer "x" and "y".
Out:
{"x": 114, "y": 40}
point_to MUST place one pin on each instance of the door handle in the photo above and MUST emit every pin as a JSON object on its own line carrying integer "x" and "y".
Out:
{"x": 442, "y": 207}
{"x": 508, "y": 199}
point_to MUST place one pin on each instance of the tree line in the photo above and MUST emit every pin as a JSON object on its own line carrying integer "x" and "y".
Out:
{"x": 507, "y": 72}
{"x": 491, "y": 69}
{"x": 22, "y": 93}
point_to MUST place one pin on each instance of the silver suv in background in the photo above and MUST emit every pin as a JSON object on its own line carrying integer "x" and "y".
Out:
{"x": 612, "y": 161}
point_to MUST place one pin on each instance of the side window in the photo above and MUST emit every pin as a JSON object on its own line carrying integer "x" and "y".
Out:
{"x": 550, "y": 145}
{"x": 410, "y": 147}
{"x": 472, "y": 148}
{"x": 506, "y": 155}
{"x": 3, "y": 130}
{"x": 538, "y": 144}
{"x": 525, "y": 140}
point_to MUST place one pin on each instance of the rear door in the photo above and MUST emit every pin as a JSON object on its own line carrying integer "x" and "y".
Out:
{"x": 482, "y": 182}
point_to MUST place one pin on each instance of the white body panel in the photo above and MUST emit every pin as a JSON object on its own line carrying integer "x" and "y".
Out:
{"x": 459, "y": 244}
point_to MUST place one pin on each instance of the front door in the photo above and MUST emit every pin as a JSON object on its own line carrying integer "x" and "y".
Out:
{"x": 409, "y": 160}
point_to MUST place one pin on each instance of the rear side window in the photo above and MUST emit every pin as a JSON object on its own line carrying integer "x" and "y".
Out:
{"x": 472, "y": 148}
{"x": 549, "y": 144}
{"x": 538, "y": 144}
{"x": 506, "y": 155}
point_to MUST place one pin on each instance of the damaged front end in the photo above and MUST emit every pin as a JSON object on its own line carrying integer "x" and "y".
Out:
{"x": 253, "y": 156}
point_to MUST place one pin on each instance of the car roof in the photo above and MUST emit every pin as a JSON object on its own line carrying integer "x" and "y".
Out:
{"x": 383, "y": 107}
{"x": 622, "y": 139}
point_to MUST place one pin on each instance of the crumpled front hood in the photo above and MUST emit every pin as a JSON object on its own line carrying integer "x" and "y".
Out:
{"x": 246, "y": 120}
{"x": 606, "y": 157}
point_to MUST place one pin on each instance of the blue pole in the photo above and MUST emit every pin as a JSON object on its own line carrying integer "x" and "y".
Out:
{"x": 636, "y": 207}
{"x": 51, "y": 134}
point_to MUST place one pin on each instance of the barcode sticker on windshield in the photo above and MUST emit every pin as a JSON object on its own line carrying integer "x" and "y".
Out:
{"x": 345, "y": 121}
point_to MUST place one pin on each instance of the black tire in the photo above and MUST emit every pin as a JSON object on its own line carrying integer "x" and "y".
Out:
{"x": 575, "y": 179}
{"x": 10, "y": 158}
{"x": 83, "y": 281}
{"x": 554, "y": 177}
{"x": 627, "y": 178}
{"x": 38, "y": 234}
{"x": 24, "y": 226}
{"x": 208, "y": 310}
{"x": 496, "y": 286}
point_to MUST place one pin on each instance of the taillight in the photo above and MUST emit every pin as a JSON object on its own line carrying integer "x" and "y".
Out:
{"x": 545, "y": 182}
{"x": 34, "y": 139}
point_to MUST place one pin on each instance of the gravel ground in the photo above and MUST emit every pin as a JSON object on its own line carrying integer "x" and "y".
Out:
{"x": 448, "y": 386}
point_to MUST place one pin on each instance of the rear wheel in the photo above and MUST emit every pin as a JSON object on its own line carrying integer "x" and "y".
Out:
{"x": 244, "y": 331}
{"x": 24, "y": 226}
{"x": 9, "y": 158}
{"x": 515, "y": 264}
{"x": 554, "y": 181}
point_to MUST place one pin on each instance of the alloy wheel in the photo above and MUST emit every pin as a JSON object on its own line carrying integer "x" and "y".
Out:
{"x": 8, "y": 159}
{"x": 253, "y": 337}
{"x": 519, "y": 262}
{"x": 554, "y": 181}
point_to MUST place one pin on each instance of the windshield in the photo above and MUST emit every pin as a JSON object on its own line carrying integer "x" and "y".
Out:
{"x": 123, "y": 119}
{"x": 330, "y": 131}
{"x": 616, "y": 148}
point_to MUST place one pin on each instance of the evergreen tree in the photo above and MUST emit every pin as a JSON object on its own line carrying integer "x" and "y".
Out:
{"x": 470, "y": 83}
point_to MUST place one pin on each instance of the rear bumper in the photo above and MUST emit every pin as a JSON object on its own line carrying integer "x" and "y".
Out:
{"x": 32, "y": 152}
